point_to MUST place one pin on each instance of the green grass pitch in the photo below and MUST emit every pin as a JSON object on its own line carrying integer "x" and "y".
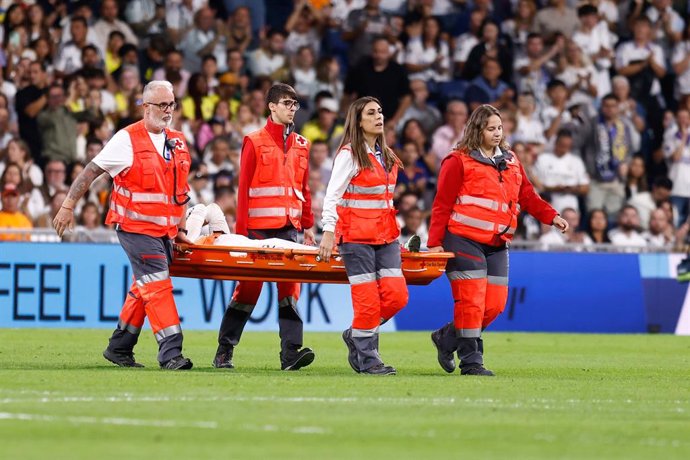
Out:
{"x": 555, "y": 396}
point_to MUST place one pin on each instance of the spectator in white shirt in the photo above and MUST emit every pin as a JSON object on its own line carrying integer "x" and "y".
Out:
{"x": 446, "y": 137}
{"x": 420, "y": 109}
{"x": 465, "y": 42}
{"x": 627, "y": 233}
{"x": 647, "y": 202}
{"x": 660, "y": 233}
{"x": 427, "y": 57}
{"x": 643, "y": 62}
{"x": 108, "y": 23}
{"x": 668, "y": 25}
{"x": 562, "y": 174}
{"x": 69, "y": 57}
{"x": 596, "y": 41}
{"x": 206, "y": 37}
{"x": 681, "y": 66}
{"x": 270, "y": 59}
{"x": 529, "y": 127}
{"x": 303, "y": 27}
{"x": 677, "y": 151}
{"x": 571, "y": 236}
{"x": 174, "y": 72}
{"x": 179, "y": 18}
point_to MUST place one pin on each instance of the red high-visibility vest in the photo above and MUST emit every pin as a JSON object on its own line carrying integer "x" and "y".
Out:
{"x": 275, "y": 191}
{"x": 142, "y": 198}
{"x": 365, "y": 211}
{"x": 487, "y": 202}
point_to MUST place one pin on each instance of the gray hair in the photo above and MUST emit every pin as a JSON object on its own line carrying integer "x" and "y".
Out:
{"x": 620, "y": 79}
{"x": 155, "y": 84}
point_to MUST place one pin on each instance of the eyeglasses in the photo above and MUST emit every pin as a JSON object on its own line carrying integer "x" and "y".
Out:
{"x": 164, "y": 106}
{"x": 290, "y": 104}
{"x": 56, "y": 171}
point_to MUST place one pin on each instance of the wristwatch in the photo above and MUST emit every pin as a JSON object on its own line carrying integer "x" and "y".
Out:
{"x": 183, "y": 230}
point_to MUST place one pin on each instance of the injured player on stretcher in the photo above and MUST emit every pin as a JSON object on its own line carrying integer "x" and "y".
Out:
{"x": 204, "y": 221}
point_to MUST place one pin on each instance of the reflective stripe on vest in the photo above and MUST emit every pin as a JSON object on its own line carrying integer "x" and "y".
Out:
{"x": 158, "y": 220}
{"x": 472, "y": 222}
{"x": 274, "y": 212}
{"x": 483, "y": 202}
{"x": 365, "y": 204}
{"x": 376, "y": 190}
{"x": 139, "y": 197}
{"x": 255, "y": 192}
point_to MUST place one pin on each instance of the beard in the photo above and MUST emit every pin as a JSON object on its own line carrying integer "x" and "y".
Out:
{"x": 626, "y": 227}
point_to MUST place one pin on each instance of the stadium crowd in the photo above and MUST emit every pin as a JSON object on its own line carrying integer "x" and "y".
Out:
{"x": 595, "y": 98}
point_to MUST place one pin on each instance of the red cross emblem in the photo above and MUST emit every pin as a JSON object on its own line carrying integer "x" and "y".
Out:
{"x": 301, "y": 141}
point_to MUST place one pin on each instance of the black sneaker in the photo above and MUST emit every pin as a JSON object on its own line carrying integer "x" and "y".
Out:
{"x": 297, "y": 359}
{"x": 223, "y": 359}
{"x": 445, "y": 359}
{"x": 120, "y": 359}
{"x": 178, "y": 363}
{"x": 414, "y": 243}
{"x": 477, "y": 370}
{"x": 380, "y": 369}
{"x": 351, "y": 349}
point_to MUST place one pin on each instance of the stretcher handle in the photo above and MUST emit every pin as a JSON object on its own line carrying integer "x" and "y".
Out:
{"x": 290, "y": 252}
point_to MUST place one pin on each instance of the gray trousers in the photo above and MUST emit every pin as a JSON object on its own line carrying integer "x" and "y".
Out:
{"x": 150, "y": 295}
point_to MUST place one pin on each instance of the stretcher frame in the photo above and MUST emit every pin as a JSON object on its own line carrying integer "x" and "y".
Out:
{"x": 297, "y": 265}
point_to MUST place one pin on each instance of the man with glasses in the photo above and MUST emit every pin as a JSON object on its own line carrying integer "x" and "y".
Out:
{"x": 149, "y": 164}
{"x": 273, "y": 201}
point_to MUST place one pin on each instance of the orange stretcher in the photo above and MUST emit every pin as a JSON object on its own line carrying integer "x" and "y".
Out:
{"x": 300, "y": 265}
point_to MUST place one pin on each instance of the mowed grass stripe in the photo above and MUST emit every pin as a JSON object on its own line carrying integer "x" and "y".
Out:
{"x": 555, "y": 396}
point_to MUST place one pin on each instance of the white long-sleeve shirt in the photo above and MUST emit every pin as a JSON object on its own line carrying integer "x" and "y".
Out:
{"x": 344, "y": 169}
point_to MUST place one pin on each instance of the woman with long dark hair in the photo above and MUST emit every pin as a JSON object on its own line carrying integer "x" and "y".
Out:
{"x": 359, "y": 216}
{"x": 481, "y": 189}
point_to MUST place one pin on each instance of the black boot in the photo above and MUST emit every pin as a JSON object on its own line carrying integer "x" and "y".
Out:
{"x": 351, "y": 350}
{"x": 446, "y": 343}
{"x": 223, "y": 359}
{"x": 471, "y": 359}
{"x": 291, "y": 331}
{"x": 230, "y": 332}
{"x": 120, "y": 348}
{"x": 294, "y": 359}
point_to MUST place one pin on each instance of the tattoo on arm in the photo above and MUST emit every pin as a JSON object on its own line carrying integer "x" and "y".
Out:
{"x": 83, "y": 181}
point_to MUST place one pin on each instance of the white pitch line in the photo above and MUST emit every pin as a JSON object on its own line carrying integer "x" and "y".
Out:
{"x": 164, "y": 398}
{"x": 84, "y": 420}
{"x": 681, "y": 406}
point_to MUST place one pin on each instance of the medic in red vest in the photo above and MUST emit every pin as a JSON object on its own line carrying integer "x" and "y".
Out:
{"x": 273, "y": 201}
{"x": 359, "y": 216}
{"x": 149, "y": 164}
{"x": 481, "y": 189}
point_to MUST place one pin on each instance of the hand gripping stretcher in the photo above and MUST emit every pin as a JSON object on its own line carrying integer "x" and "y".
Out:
{"x": 209, "y": 261}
